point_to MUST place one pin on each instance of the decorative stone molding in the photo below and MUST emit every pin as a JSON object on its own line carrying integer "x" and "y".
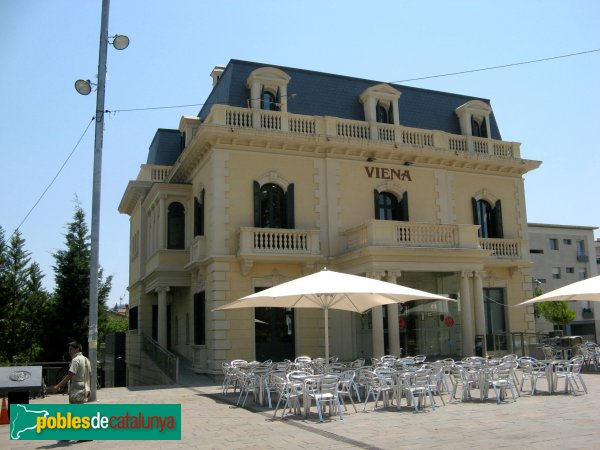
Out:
{"x": 273, "y": 177}
{"x": 270, "y": 79}
{"x": 484, "y": 194}
{"x": 383, "y": 94}
{"x": 474, "y": 109}
{"x": 390, "y": 186}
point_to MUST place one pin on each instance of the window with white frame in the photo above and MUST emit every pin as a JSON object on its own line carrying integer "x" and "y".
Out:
{"x": 556, "y": 273}
{"x": 380, "y": 103}
{"x": 474, "y": 118}
{"x": 268, "y": 89}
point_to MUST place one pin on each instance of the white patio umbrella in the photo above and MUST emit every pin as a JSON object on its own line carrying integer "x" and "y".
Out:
{"x": 332, "y": 290}
{"x": 586, "y": 290}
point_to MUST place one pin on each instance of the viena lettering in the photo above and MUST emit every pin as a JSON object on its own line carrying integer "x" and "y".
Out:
{"x": 388, "y": 174}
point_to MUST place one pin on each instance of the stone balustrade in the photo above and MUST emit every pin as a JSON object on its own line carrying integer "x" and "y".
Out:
{"x": 407, "y": 234}
{"x": 152, "y": 172}
{"x": 359, "y": 130}
{"x": 502, "y": 248}
{"x": 278, "y": 241}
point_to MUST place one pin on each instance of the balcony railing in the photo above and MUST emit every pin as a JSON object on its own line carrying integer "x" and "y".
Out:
{"x": 235, "y": 117}
{"x": 407, "y": 234}
{"x": 151, "y": 172}
{"x": 502, "y": 248}
{"x": 278, "y": 241}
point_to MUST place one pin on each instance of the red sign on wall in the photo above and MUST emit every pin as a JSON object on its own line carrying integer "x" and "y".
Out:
{"x": 401, "y": 322}
{"x": 449, "y": 322}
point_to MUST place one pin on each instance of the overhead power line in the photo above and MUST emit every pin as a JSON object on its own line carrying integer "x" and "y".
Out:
{"x": 55, "y": 176}
{"x": 462, "y": 72}
{"x": 498, "y": 67}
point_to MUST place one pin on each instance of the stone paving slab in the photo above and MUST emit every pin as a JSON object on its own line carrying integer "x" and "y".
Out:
{"x": 212, "y": 421}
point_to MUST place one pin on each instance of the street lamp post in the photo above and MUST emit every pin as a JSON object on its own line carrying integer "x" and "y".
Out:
{"x": 84, "y": 88}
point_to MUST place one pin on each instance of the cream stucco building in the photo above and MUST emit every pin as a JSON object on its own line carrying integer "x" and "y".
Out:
{"x": 285, "y": 171}
{"x": 561, "y": 255}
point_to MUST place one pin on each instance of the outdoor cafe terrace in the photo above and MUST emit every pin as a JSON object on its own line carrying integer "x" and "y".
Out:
{"x": 290, "y": 389}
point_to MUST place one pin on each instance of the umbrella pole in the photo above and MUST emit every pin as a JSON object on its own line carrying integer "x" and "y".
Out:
{"x": 326, "y": 335}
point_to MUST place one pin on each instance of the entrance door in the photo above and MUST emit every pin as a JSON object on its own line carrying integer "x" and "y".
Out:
{"x": 274, "y": 334}
{"x": 495, "y": 318}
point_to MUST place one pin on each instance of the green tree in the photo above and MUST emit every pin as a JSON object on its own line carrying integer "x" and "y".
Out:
{"x": 15, "y": 286}
{"x": 22, "y": 302}
{"x": 557, "y": 313}
{"x": 71, "y": 296}
{"x": 35, "y": 313}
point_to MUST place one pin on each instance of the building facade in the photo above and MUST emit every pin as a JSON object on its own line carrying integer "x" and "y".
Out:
{"x": 286, "y": 171}
{"x": 561, "y": 255}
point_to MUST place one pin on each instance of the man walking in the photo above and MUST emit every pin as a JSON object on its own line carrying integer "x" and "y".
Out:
{"x": 78, "y": 376}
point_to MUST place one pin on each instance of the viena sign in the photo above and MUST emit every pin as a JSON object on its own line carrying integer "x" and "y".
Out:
{"x": 388, "y": 174}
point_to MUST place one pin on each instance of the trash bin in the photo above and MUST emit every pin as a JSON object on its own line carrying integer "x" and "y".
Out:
{"x": 19, "y": 382}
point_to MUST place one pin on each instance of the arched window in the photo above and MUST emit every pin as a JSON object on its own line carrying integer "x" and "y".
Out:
{"x": 176, "y": 226}
{"x": 270, "y": 101}
{"x": 383, "y": 114}
{"x": 388, "y": 207}
{"x": 488, "y": 218}
{"x": 272, "y": 211}
{"x": 478, "y": 127}
{"x": 273, "y": 208}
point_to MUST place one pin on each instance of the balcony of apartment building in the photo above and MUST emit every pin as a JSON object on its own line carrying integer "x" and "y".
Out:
{"x": 339, "y": 129}
{"x": 398, "y": 234}
{"x": 277, "y": 245}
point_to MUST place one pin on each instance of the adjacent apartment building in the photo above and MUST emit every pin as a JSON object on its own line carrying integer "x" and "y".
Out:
{"x": 285, "y": 171}
{"x": 561, "y": 255}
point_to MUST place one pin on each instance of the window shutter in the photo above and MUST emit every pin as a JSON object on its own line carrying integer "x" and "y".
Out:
{"x": 475, "y": 129}
{"x": 484, "y": 132}
{"x": 404, "y": 207}
{"x": 376, "y": 203}
{"x": 196, "y": 217}
{"x": 475, "y": 215}
{"x": 289, "y": 206}
{"x": 278, "y": 100}
{"x": 200, "y": 215}
{"x": 257, "y": 221}
{"x": 391, "y": 113}
{"x": 499, "y": 231}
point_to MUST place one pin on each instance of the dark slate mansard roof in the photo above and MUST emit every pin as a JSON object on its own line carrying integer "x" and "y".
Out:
{"x": 324, "y": 94}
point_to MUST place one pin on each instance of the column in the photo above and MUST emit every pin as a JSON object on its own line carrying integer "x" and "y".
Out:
{"x": 466, "y": 314}
{"x": 378, "y": 341}
{"x": 479, "y": 308}
{"x": 162, "y": 223}
{"x": 393, "y": 328}
{"x": 377, "y": 323}
{"x": 162, "y": 316}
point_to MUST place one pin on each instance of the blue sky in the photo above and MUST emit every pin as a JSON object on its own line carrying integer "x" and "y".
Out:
{"x": 550, "y": 107}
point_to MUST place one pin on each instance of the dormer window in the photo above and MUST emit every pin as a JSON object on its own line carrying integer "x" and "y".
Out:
{"x": 479, "y": 127}
{"x": 381, "y": 104}
{"x": 384, "y": 113}
{"x": 474, "y": 117}
{"x": 270, "y": 101}
{"x": 268, "y": 89}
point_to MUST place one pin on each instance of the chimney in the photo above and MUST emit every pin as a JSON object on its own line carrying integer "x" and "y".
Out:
{"x": 216, "y": 73}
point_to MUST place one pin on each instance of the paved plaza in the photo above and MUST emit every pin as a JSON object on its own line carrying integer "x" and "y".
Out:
{"x": 212, "y": 421}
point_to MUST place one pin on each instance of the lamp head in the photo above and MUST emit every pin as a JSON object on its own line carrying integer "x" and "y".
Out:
{"x": 120, "y": 42}
{"x": 83, "y": 87}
